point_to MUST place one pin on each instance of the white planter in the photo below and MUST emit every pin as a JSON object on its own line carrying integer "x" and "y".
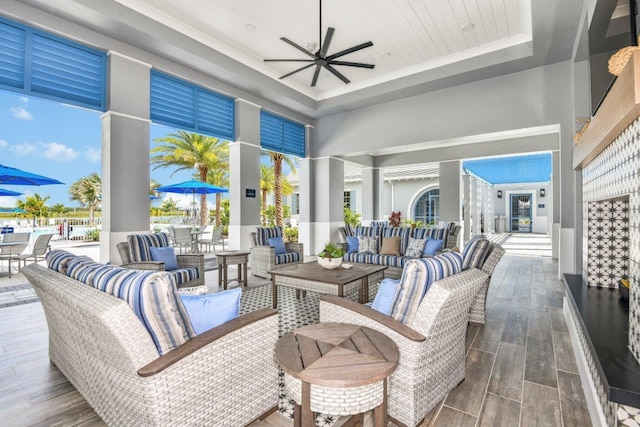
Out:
{"x": 330, "y": 263}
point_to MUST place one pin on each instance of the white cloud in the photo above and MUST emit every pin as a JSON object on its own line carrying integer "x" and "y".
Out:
{"x": 21, "y": 113}
{"x": 3, "y": 143}
{"x": 92, "y": 154}
{"x": 24, "y": 100}
{"x": 48, "y": 150}
{"x": 24, "y": 149}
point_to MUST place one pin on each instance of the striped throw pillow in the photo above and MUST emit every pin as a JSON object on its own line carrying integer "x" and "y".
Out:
{"x": 58, "y": 260}
{"x": 154, "y": 300}
{"x": 475, "y": 252}
{"x": 417, "y": 277}
{"x": 263, "y": 234}
{"x": 139, "y": 245}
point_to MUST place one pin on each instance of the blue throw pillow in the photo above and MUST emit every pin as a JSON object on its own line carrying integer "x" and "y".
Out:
{"x": 278, "y": 244}
{"x": 385, "y": 296}
{"x": 167, "y": 255}
{"x": 432, "y": 246}
{"x": 352, "y": 241}
{"x": 210, "y": 310}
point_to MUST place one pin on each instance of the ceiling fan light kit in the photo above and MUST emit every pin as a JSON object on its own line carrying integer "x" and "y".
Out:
{"x": 320, "y": 58}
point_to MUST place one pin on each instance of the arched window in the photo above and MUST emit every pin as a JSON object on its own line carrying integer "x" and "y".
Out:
{"x": 427, "y": 207}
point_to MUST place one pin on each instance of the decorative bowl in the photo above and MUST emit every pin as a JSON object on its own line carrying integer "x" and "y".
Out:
{"x": 330, "y": 263}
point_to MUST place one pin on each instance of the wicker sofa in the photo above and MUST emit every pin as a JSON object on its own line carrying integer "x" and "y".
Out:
{"x": 226, "y": 376}
{"x": 432, "y": 347}
{"x": 394, "y": 263}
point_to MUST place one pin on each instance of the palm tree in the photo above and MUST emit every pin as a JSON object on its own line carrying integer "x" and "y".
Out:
{"x": 153, "y": 187}
{"x": 267, "y": 185}
{"x": 35, "y": 205}
{"x": 277, "y": 159}
{"x": 219, "y": 177}
{"x": 58, "y": 209}
{"x": 188, "y": 150}
{"x": 88, "y": 191}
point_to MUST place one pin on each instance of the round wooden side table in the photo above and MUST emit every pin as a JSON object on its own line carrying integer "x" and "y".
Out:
{"x": 337, "y": 369}
{"x": 226, "y": 258}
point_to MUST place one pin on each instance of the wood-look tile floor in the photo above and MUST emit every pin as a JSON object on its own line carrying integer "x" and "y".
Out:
{"x": 521, "y": 370}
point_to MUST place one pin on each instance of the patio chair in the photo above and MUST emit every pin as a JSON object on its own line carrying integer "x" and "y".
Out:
{"x": 216, "y": 237}
{"x": 263, "y": 256}
{"x": 181, "y": 238}
{"x": 135, "y": 254}
{"x": 14, "y": 251}
{"x": 40, "y": 248}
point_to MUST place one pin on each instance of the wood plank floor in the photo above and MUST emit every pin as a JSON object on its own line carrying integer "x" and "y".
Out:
{"x": 520, "y": 365}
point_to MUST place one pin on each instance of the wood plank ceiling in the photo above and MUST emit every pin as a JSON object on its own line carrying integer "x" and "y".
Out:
{"x": 408, "y": 35}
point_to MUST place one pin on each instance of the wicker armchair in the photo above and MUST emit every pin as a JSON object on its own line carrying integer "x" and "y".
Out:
{"x": 226, "y": 376}
{"x": 432, "y": 347}
{"x": 190, "y": 273}
{"x": 263, "y": 257}
{"x": 479, "y": 307}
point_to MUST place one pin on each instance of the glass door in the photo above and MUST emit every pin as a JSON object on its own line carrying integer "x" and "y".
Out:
{"x": 521, "y": 221}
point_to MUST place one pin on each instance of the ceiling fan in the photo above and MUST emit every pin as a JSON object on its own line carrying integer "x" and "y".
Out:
{"x": 320, "y": 58}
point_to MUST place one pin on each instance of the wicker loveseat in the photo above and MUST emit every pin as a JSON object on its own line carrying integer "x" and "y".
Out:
{"x": 135, "y": 254}
{"x": 226, "y": 376}
{"x": 432, "y": 346}
{"x": 263, "y": 256}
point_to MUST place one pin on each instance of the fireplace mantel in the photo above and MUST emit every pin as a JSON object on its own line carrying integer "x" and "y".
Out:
{"x": 618, "y": 110}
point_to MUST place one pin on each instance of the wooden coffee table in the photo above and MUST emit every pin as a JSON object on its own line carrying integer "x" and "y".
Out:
{"x": 311, "y": 276}
{"x": 337, "y": 368}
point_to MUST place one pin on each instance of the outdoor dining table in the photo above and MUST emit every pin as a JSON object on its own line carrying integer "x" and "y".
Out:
{"x": 9, "y": 245}
{"x": 195, "y": 241}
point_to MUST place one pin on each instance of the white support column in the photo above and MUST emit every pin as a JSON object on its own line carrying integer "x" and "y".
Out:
{"x": 490, "y": 211}
{"x": 372, "y": 187}
{"x": 125, "y": 154}
{"x": 325, "y": 189}
{"x": 475, "y": 210}
{"x": 244, "y": 175}
{"x": 486, "y": 208}
{"x": 466, "y": 192}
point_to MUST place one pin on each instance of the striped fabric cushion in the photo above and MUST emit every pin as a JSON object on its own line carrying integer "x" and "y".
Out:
{"x": 475, "y": 252}
{"x": 381, "y": 224}
{"x": 434, "y": 233}
{"x": 263, "y": 234}
{"x": 154, "y": 299}
{"x": 417, "y": 277}
{"x": 58, "y": 260}
{"x": 183, "y": 275}
{"x": 139, "y": 245}
{"x": 349, "y": 231}
{"x": 376, "y": 259}
{"x": 287, "y": 257}
{"x": 83, "y": 269}
{"x": 403, "y": 232}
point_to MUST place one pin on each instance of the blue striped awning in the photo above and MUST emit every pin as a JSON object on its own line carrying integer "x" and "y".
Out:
{"x": 511, "y": 170}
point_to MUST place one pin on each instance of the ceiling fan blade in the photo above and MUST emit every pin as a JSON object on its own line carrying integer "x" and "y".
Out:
{"x": 288, "y": 60}
{"x": 297, "y": 46}
{"x": 327, "y": 42}
{"x": 336, "y": 73}
{"x": 352, "y": 64}
{"x": 295, "y": 71}
{"x": 315, "y": 75}
{"x": 348, "y": 51}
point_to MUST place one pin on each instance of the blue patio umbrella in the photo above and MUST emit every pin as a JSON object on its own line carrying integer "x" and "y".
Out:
{"x": 9, "y": 193}
{"x": 12, "y": 210}
{"x": 192, "y": 187}
{"x": 13, "y": 176}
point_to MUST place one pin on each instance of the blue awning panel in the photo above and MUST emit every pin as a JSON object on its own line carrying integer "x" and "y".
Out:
{"x": 511, "y": 170}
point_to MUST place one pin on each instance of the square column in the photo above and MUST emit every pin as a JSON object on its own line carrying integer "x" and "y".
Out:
{"x": 244, "y": 176}
{"x": 372, "y": 197}
{"x": 321, "y": 202}
{"x": 449, "y": 182}
{"x": 466, "y": 196}
{"x": 125, "y": 154}
{"x": 487, "y": 205}
{"x": 475, "y": 208}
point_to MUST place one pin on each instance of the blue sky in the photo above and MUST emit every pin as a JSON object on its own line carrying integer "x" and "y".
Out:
{"x": 58, "y": 141}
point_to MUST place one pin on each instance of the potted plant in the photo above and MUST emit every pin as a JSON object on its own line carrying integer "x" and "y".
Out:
{"x": 331, "y": 256}
{"x": 395, "y": 219}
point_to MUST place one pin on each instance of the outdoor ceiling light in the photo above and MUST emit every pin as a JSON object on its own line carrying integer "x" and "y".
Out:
{"x": 499, "y": 194}
{"x": 542, "y": 192}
